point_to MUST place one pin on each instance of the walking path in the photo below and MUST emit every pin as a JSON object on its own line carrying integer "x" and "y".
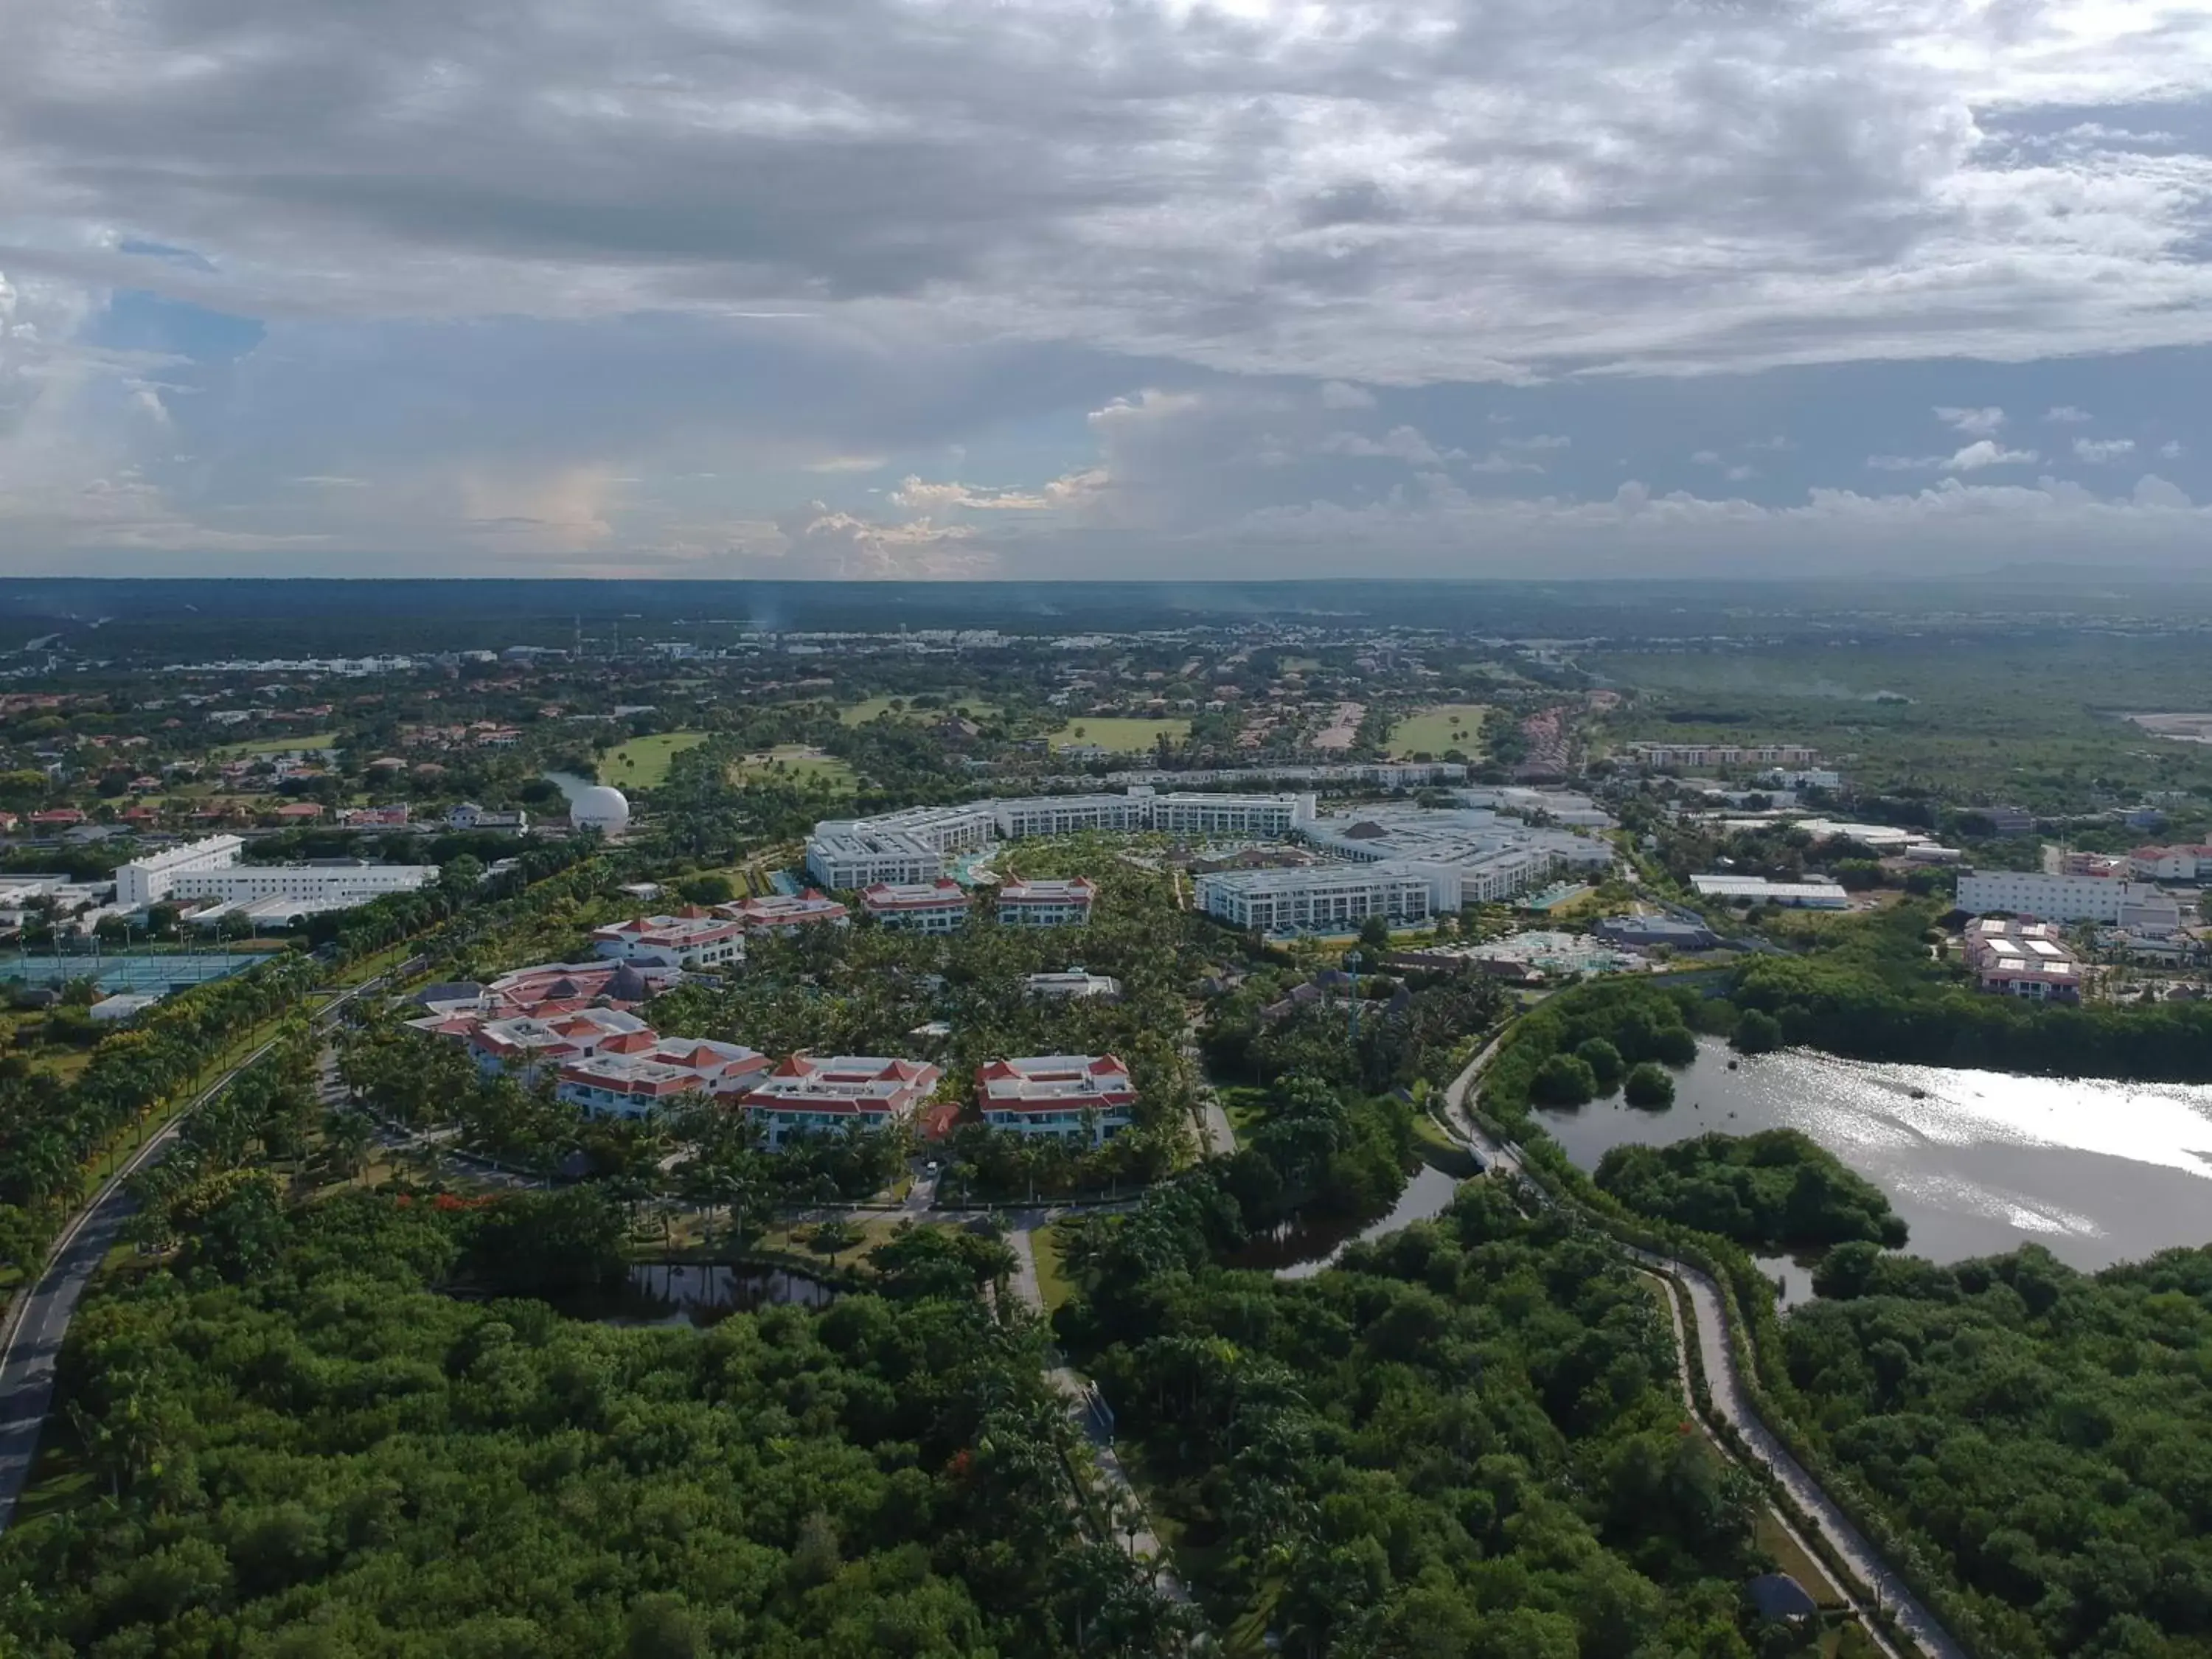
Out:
{"x": 1732, "y": 1399}
{"x": 1089, "y": 1412}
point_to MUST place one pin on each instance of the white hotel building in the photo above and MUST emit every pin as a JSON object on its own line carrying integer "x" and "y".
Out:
{"x": 912, "y": 846}
{"x": 1322, "y": 898}
{"x": 2054, "y": 898}
{"x": 149, "y": 880}
{"x": 210, "y": 869}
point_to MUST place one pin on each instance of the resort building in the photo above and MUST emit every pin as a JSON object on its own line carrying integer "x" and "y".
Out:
{"x": 2025, "y": 959}
{"x": 933, "y": 906}
{"x": 904, "y": 847}
{"x": 1322, "y": 898}
{"x": 525, "y": 1047}
{"x": 1068, "y": 815}
{"x": 777, "y": 913}
{"x": 209, "y": 870}
{"x": 1046, "y": 903}
{"x": 1067, "y": 1097}
{"x": 694, "y": 938}
{"x": 635, "y": 1081}
{"x": 809, "y": 1094}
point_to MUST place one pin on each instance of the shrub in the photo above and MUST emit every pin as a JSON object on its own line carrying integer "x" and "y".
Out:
{"x": 1649, "y": 1085}
{"x": 1564, "y": 1080}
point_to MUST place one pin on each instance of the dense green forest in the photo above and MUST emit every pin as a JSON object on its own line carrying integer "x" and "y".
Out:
{"x": 1771, "y": 1191}
{"x": 1467, "y": 1441}
{"x": 301, "y": 1447}
{"x": 2046, "y": 1432}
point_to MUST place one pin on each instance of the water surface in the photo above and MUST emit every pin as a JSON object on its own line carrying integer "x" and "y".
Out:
{"x": 1299, "y": 1250}
{"x": 1977, "y": 1163}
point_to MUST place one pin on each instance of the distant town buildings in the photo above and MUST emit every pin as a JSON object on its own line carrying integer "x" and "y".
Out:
{"x": 1062, "y": 1097}
{"x": 1671, "y": 757}
{"x": 2191, "y": 863}
{"x": 1812, "y": 895}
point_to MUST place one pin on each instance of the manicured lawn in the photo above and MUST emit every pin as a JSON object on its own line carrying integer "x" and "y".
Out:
{"x": 1052, "y": 1278}
{"x": 276, "y": 745}
{"x": 798, "y": 764}
{"x": 642, "y": 763}
{"x": 1120, "y": 737}
{"x": 1431, "y": 730}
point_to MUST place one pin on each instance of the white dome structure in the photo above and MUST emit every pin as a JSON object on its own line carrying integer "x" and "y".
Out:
{"x": 600, "y": 808}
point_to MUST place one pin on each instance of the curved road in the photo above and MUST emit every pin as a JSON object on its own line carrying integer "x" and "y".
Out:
{"x": 32, "y": 1333}
{"x": 1732, "y": 1399}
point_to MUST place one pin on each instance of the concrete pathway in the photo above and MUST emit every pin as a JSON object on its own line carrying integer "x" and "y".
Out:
{"x": 1732, "y": 1399}
{"x": 1087, "y": 1409}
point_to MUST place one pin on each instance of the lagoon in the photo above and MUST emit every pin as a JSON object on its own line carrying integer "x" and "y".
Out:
{"x": 1978, "y": 1163}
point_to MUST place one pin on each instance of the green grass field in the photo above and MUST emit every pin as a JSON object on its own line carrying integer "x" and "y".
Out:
{"x": 642, "y": 763}
{"x": 797, "y": 763}
{"x": 1432, "y": 730}
{"x": 1120, "y": 737}
{"x": 275, "y": 746}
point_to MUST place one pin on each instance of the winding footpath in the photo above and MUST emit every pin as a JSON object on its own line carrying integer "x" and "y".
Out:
{"x": 1732, "y": 1399}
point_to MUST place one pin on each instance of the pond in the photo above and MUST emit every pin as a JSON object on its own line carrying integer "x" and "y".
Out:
{"x": 1300, "y": 1249}
{"x": 700, "y": 1294}
{"x": 1977, "y": 1163}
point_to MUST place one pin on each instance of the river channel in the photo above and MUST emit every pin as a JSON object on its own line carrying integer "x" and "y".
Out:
{"x": 1977, "y": 1163}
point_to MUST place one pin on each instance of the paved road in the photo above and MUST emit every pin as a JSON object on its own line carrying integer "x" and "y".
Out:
{"x": 31, "y": 1335}
{"x": 1732, "y": 1399}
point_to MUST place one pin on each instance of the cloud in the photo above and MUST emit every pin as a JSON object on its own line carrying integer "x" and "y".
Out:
{"x": 1974, "y": 422}
{"x": 2066, "y": 415}
{"x": 1386, "y": 193}
{"x": 1707, "y": 458}
{"x": 1402, "y": 443}
{"x": 820, "y": 542}
{"x": 1974, "y": 457}
{"x": 916, "y": 496}
{"x": 2170, "y": 449}
{"x": 2100, "y": 452}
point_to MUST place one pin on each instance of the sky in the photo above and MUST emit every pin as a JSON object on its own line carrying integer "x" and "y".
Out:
{"x": 1038, "y": 288}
